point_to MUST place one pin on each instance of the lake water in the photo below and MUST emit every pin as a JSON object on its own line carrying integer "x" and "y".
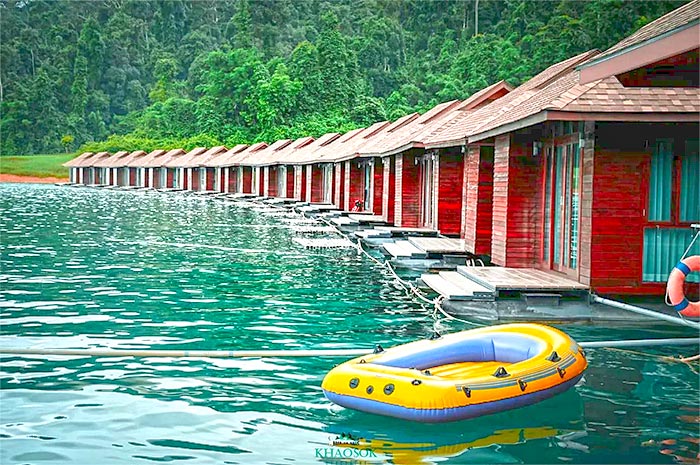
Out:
{"x": 86, "y": 268}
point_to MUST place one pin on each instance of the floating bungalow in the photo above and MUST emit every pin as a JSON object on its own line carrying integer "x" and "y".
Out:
{"x": 225, "y": 174}
{"x": 588, "y": 174}
{"x": 75, "y": 168}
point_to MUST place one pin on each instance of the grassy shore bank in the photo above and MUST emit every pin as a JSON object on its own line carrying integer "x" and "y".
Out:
{"x": 40, "y": 166}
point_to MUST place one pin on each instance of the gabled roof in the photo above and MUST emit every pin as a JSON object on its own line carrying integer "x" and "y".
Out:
{"x": 221, "y": 159}
{"x": 346, "y": 147}
{"x": 455, "y": 130}
{"x": 96, "y": 160}
{"x": 159, "y": 159}
{"x": 672, "y": 34}
{"x": 283, "y": 154}
{"x": 76, "y": 162}
{"x": 114, "y": 159}
{"x": 129, "y": 159}
{"x": 143, "y": 160}
{"x": 237, "y": 158}
{"x": 176, "y": 160}
{"x": 306, "y": 152}
{"x": 256, "y": 157}
{"x": 601, "y": 100}
{"x": 193, "y": 158}
{"x": 396, "y": 139}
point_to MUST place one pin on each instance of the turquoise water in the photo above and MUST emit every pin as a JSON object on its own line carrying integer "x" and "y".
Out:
{"x": 86, "y": 268}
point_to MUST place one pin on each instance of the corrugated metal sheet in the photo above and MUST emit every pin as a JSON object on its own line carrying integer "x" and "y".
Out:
{"x": 176, "y": 160}
{"x": 221, "y": 159}
{"x": 77, "y": 161}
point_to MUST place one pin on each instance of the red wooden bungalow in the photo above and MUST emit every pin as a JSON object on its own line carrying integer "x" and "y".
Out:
{"x": 160, "y": 177}
{"x": 241, "y": 175}
{"x": 594, "y": 168}
{"x": 125, "y": 174}
{"x": 139, "y": 161}
{"x": 177, "y": 176}
{"x": 95, "y": 173}
{"x": 200, "y": 176}
{"x": 278, "y": 180}
{"x": 297, "y": 164}
{"x": 326, "y": 177}
{"x": 110, "y": 167}
{"x": 224, "y": 175}
{"x": 75, "y": 167}
{"x": 425, "y": 187}
{"x": 251, "y": 159}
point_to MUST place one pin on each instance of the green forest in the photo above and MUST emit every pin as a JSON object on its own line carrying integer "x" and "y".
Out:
{"x": 121, "y": 74}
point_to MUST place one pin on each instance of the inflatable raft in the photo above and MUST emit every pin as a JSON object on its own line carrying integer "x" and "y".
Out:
{"x": 461, "y": 375}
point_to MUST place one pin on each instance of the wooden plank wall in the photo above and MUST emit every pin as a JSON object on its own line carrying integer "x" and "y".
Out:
{"x": 169, "y": 177}
{"x": 477, "y": 199}
{"x": 272, "y": 181}
{"x": 132, "y": 176}
{"x": 406, "y": 190}
{"x": 354, "y": 182}
{"x": 377, "y": 190}
{"x": 291, "y": 177}
{"x": 316, "y": 188}
{"x": 450, "y": 175}
{"x": 232, "y": 179}
{"x": 211, "y": 174}
{"x": 247, "y": 179}
{"x": 388, "y": 189}
{"x": 516, "y": 199}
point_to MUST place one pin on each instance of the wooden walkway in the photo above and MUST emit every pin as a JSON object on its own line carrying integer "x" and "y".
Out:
{"x": 438, "y": 245}
{"x": 519, "y": 279}
{"x": 485, "y": 283}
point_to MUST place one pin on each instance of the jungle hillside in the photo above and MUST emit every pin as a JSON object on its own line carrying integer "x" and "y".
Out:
{"x": 146, "y": 74}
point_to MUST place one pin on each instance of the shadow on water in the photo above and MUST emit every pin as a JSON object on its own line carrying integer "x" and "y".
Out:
{"x": 478, "y": 440}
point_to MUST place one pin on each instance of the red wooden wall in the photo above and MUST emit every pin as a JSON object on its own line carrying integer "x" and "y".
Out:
{"x": 406, "y": 206}
{"x": 211, "y": 177}
{"x": 450, "y": 177}
{"x": 516, "y": 202}
{"x": 377, "y": 194}
{"x": 247, "y": 179}
{"x": 232, "y": 179}
{"x": 193, "y": 175}
{"x": 290, "y": 182}
{"x": 272, "y": 181}
{"x": 316, "y": 183}
{"x": 477, "y": 199}
{"x": 354, "y": 184}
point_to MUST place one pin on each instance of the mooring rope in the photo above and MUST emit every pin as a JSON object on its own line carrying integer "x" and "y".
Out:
{"x": 301, "y": 352}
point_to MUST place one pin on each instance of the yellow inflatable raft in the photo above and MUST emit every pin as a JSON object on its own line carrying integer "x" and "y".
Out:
{"x": 460, "y": 375}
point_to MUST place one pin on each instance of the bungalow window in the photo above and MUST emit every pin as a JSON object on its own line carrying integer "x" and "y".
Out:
{"x": 673, "y": 204}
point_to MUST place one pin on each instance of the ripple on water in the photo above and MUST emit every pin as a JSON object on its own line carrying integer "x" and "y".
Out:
{"x": 145, "y": 270}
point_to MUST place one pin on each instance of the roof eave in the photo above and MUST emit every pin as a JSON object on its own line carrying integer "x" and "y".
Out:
{"x": 668, "y": 44}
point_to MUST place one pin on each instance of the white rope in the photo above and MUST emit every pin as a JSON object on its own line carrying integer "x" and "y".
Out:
{"x": 93, "y": 352}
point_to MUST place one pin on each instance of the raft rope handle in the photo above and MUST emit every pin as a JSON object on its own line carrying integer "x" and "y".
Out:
{"x": 666, "y": 298}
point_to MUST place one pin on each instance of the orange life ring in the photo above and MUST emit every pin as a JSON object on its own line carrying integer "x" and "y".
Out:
{"x": 675, "y": 287}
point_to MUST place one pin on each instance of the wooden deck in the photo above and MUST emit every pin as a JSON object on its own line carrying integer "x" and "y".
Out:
{"x": 485, "y": 283}
{"x": 438, "y": 245}
{"x": 519, "y": 279}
